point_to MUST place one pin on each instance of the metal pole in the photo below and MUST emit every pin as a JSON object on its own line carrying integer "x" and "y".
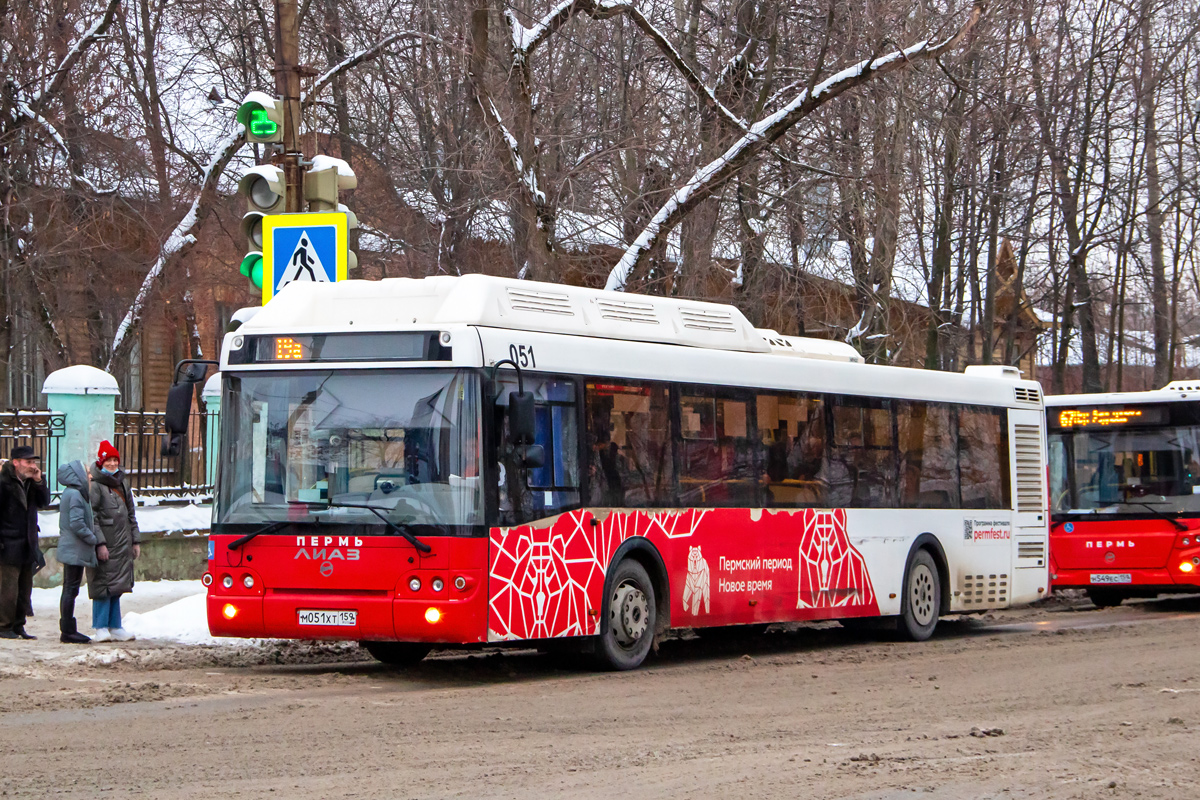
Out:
{"x": 287, "y": 85}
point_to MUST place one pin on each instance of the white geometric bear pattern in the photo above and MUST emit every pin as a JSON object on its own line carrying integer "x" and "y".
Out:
{"x": 697, "y": 585}
{"x": 832, "y": 573}
{"x": 546, "y": 581}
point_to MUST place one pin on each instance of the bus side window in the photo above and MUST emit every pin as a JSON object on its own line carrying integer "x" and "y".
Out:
{"x": 629, "y": 445}
{"x": 862, "y": 454}
{"x": 530, "y": 494}
{"x": 982, "y": 457}
{"x": 791, "y": 436}
{"x": 716, "y": 454}
{"x": 928, "y": 455}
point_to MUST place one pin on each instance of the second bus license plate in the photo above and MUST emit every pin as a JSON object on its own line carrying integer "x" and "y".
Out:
{"x": 1115, "y": 577}
{"x": 336, "y": 618}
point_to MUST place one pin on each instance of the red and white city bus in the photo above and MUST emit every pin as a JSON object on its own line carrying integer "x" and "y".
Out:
{"x": 475, "y": 460}
{"x": 1125, "y": 492}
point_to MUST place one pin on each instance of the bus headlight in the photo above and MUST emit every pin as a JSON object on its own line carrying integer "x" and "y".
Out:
{"x": 248, "y": 582}
{"x": 438, "y": 585}
{"x": 229, "y": 611}
{"x": 414, "y": 584}
{"x": 1186, "y": 566}
{"x": 227, "y": 581}
{"x": 432, "y": 615}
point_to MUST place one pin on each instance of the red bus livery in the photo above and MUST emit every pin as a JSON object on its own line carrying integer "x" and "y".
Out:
{"x": 475, "y": 460}
{"x": 1125, "y": 492}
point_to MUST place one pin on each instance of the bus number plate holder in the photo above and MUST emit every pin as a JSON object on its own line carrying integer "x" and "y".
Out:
{"x": 1116, "y": 577}
{"x": 334, "y": 618}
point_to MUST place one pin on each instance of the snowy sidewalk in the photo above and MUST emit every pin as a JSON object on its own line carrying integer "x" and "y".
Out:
{"x": 159, "y": 613}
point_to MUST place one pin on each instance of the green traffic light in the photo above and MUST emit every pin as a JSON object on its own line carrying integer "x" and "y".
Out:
{"x": 252, "y": 268}
{"x": 261, "y": 125}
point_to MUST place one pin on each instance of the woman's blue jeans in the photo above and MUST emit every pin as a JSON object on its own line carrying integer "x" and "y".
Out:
{"x": 106, "y": 613}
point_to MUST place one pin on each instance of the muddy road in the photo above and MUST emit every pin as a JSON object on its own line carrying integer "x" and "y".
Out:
{"x": 1063, "y": 702}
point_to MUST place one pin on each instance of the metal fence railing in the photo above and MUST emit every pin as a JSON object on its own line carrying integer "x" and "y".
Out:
{"x": 41, "y": 430}
{"x": 139, "y": 437}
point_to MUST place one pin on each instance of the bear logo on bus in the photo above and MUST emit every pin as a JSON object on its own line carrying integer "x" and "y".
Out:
{"x": 696, "y": 587}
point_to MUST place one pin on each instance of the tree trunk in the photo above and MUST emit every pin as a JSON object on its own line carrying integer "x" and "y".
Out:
{"x": 1154, "y": 212}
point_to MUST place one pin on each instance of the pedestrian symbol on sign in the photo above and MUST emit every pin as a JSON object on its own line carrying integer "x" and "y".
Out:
{"x": 305, "y": 264}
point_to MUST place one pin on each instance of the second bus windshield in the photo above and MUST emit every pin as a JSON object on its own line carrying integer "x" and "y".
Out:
{"x": 1127, "y": 471}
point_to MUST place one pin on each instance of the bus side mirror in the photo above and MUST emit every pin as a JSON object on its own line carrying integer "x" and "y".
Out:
{"x": 533, "y": 456}
{"x": 179, "y": 407}
{"x": 521, "y": 423}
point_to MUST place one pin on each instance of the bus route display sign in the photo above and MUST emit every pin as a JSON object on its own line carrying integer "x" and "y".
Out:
{"x": 1108, "y": 417}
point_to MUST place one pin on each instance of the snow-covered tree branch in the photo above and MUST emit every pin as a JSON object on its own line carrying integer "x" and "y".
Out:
{"x": 361, "y": 57}
{"x": 179, "y": 240}
{"x": 59, "y": 75}
{"x": 527, "y": 40}
{"x": 762, "y": 135}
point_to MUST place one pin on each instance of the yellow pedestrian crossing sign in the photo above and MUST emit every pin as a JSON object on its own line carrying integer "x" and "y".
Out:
{"x": 303, "y": 247}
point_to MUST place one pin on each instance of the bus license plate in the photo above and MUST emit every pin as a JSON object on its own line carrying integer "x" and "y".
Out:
{"x": 1116, "y": 577}
{"x": 336, "y": 618}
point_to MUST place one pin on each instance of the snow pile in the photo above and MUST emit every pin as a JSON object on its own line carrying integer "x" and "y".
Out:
{"x": 102, "y": 657}
{"x": 184, "y": 621}
{"x": 146, "y": 595}
{"x": 151, "y": 519}
{"x": 172, "y": 611}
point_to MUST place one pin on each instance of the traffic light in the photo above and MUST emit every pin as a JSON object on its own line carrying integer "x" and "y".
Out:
{"x": 262, "y": 116}
{"x": 325, "y": 178}
{"x": 266, "y": 193}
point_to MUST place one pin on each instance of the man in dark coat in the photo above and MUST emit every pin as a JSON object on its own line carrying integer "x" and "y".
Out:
{"x": 23, "y": 491}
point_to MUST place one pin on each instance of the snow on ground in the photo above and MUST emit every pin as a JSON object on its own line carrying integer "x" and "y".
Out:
{"x": 146, "y": 596}
{"x": 151, "y": 519}
{"x": 167, "y": 611}
{"x": 184, "y": 621}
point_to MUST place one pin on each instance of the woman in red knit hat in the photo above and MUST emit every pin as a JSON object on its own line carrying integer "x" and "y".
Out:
{"x": 119, "y": 545}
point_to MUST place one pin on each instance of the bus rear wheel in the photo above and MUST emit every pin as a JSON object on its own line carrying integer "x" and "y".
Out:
{"x": 397, "y": 654}
{"x": 922, "y": 598}
{"x": 1105, "y": 598}
{"x": 631, "y": 611}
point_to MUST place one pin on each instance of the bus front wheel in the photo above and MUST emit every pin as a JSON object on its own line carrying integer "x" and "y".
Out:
{"x": 631, "y": 612}
{"x": 922, "y": 598}
{"x": 397, "y": 654}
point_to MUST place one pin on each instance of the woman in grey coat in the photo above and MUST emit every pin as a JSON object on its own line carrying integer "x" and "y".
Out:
{"x": 116, "y": 525}
{"x": 76, "y": 544}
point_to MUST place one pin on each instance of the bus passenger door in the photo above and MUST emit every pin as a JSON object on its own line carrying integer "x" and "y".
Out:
{"x": 1027, "y": 446}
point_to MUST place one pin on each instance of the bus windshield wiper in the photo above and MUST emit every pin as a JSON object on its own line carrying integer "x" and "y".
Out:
{"x": 1158, "y": 512}
{"x": 392, "y": 526}
{"x": 270, "y": 527}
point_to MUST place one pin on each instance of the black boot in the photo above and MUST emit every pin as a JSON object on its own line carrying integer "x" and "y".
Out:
{"x": 20, "y": 631}
{"x": 70, "y": 633}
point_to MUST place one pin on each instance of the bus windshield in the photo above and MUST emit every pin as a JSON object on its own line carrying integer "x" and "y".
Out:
{"x": 310, "y": 446}
{"x": 1126, "y": 471}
